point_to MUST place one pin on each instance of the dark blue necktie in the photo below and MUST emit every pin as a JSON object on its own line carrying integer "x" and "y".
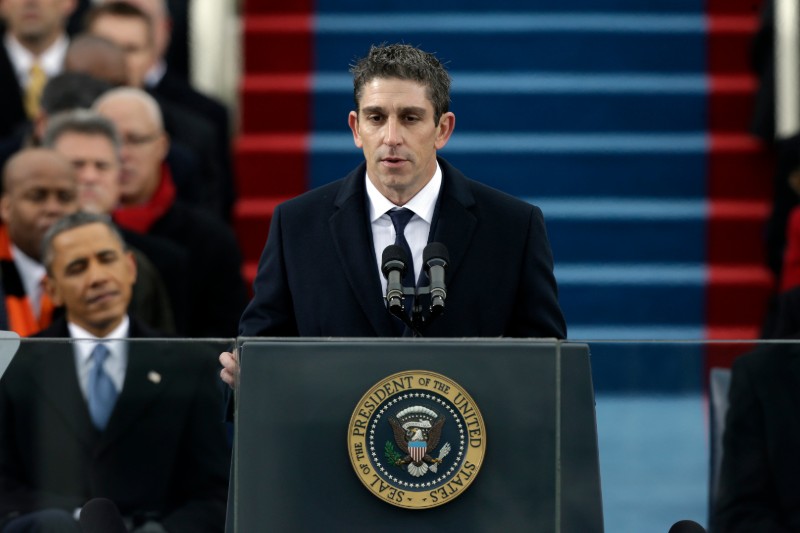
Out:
{"x": 400, "y": 218}
{"x": 102, "y": 392}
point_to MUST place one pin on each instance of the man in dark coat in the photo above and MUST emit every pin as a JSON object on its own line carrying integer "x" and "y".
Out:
{"x": 320, "y": 273}
{"x": 758, "y": 488}
{"x": 100, "y": 417}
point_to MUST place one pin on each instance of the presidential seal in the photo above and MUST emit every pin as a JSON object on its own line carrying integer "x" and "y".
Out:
{"x": 416, "y": 439}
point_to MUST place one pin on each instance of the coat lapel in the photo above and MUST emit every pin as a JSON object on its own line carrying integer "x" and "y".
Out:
{"x": 352, "y": 236}
{"x": 146, "y": 378}
{"x": 56, "y": 375}
{"x": 453, "y": 222}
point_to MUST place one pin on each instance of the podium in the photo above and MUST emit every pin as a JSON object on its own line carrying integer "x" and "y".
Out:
{"x": 292, "y": 467}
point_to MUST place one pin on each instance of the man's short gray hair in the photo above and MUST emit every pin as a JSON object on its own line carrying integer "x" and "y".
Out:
{"x": 85, "y": 122}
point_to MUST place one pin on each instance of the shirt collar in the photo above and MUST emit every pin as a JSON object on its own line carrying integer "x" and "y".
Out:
{"x": 422, "y": 204}
{"x": 155, "y": 74}
{"x": 84, "y": 349}
{"x": 30, "y": 270}
{"x": 51, "y": 60}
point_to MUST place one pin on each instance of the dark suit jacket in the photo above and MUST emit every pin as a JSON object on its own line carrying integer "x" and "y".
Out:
{"x": 197, "y": 134}
{"x": 12, "y": 110}
{"x": 318, "y": 273}
{"x": 217, "y": 292}
{"x": 163, "y": 455}
{"x": 759, "y": 489}
{"x": 177, "y": 90}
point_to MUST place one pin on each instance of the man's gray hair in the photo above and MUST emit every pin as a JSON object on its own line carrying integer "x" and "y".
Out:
{"x": 85, "y": 122}
{"x": 69, "y": 222}
{"x": 404, "y": 62}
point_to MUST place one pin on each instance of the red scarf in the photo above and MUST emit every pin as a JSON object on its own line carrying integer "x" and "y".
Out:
{"x": 140, "y": 218}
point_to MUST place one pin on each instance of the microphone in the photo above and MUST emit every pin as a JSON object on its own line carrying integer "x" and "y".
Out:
{"x": 435, "y": 259}
{"x": 394, "y": 263}
{"x": 100, "y": 515}
{"x": 687, "y": 526}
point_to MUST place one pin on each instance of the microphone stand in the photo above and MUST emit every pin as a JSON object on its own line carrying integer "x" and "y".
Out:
{"x": 417, "y": 318}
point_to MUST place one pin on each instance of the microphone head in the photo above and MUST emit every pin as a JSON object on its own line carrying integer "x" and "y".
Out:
{"x": 100, "y": 515}
{"x": 394, "y": 258}
{"x": 435, "y": 251}
{"x": 687, "y": 526}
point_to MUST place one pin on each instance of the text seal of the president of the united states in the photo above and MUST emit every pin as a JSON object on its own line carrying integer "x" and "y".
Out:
{"x": 416, "y": 439}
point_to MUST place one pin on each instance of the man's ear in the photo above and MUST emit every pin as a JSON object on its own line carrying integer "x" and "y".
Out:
{"x": 444, "y": 129}
{"x": 51, "y": 288}
{"x": 5, "y": 206}
{"x": 131, "y": 260}
{"x": 352, "y": 121}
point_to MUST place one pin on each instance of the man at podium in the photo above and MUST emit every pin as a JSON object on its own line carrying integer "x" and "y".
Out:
{"x": 324, "y": 269}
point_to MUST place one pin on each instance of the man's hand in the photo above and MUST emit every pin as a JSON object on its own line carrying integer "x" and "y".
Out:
{"x": 230, "y": 368}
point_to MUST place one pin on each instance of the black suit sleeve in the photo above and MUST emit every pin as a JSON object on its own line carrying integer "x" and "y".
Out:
{"x": 537, "y": 312}
{"x": 17, "y": 494}
{"x": 270, "y": 312}
{"x": 748, "y": 498}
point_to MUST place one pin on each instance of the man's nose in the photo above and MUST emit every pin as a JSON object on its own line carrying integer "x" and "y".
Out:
{"x": 392, "y": 135}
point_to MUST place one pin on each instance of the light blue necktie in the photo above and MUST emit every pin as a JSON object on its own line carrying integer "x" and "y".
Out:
{"x": 102, "y": 392}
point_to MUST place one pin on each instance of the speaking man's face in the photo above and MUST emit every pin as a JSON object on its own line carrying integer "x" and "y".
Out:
{"x": 395, "y": 128}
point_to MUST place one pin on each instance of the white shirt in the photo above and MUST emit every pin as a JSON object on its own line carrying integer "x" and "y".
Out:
{"x": 115, "y": 365}
{"x": 419, "y": 227}
{"x": 51, "y": 60}
{"x": 32, "y": 273}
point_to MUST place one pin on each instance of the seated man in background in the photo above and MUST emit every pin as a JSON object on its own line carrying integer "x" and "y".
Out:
{"x": 131, "y": 29}
{"x": 39, "y": 188}
{"x": 134, "y": 423}
{"x": 162, "y": 81}
{"x": 149, "y": 206}
{"x": 67, "y": 91}
{"x": 91, "y": 144}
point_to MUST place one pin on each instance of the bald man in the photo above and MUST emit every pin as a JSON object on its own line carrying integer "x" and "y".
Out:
{"x": 132, "y": 30}
{"x": 98, "y": 57}
{"x": 162, "y": 81}
{"x": 149, "y": 205}
{"x": 39, "y": 187}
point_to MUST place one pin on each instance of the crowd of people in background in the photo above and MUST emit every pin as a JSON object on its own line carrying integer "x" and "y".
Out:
{"x": 117, "y": 190}
{"x": 102, "y": 87}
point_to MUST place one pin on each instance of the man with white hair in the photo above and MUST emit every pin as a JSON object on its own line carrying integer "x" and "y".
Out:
{"x": 149, "y": 206}
{"x": 133, "y": 30}
{"x": 162, "y": 81}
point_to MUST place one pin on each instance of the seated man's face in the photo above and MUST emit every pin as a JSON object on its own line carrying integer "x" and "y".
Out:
{"x": 96, "y": 167}
{"x": 40, "y": 189}
{"x": 92, "y": 276}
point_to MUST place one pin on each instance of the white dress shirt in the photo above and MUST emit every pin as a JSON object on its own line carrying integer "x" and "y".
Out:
{"x": 115, "y": 365}
{"x": 418, "y": 229}
{"x": 51, "y": 60}
{"x": 32, "y": 273}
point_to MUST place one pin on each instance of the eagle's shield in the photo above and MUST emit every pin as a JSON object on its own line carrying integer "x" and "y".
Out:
{"x": 417, "y": 449}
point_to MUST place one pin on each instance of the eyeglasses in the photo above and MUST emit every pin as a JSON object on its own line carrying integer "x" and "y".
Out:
{"x": 133, "y": 139}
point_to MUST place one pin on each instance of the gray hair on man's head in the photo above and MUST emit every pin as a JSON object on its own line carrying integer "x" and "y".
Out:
{"x": 85, "y": 122}
{"x": 69, "y": 222}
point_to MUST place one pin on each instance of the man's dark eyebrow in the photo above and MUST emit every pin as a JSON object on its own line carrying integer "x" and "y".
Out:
{"x": 414, "y": 110}
{"x": 76, "y": 262}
